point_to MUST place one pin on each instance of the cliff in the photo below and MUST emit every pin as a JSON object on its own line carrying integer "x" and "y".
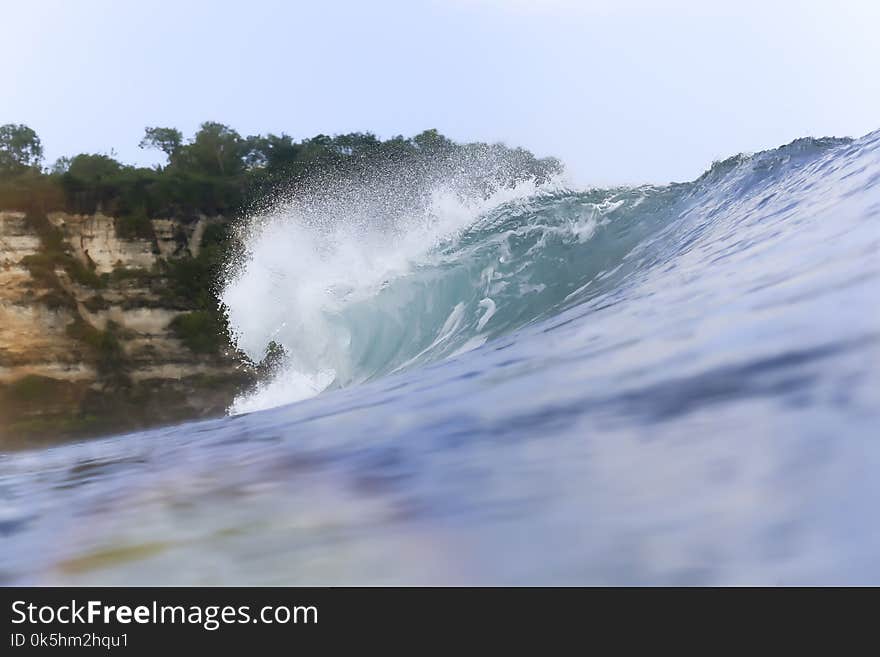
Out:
{"x": 97, "y": 331}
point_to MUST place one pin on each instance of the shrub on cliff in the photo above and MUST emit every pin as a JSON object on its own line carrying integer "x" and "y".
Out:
{"x": 54, "y": 254}
{"x": 203, "y": 331}
{"x": 136, "y": 225}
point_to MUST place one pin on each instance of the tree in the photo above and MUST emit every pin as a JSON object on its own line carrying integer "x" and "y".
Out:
{"x": 431, "y": 141}
{"x": 216, "y": 150}
{"x": 20, "y": 148}
{"x": 61, "y": 165}
{"x": 91, "y": 182}
{"x": 167, "y": 140}
{"x": 93, "y": 168}
{"x": 355, "y": 143}
{"x": 281, "y": 152}
{"x": 272, "y": 153}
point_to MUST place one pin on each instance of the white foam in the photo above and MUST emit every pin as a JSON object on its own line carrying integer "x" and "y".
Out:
{"x": 489, "y": 305}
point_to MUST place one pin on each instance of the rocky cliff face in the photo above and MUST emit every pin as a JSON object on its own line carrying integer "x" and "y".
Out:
{"x": 92, "y": 336}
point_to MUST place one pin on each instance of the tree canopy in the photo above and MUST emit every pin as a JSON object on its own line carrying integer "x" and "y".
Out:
{"x": 20, "y": 148}
{"x": 217, "y": 171}
{"x": 167, "y": 140}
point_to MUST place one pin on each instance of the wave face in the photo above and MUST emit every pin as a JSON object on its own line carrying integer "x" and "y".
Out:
{"x": 652, "y": 385}
{"x": 352, "y": 295}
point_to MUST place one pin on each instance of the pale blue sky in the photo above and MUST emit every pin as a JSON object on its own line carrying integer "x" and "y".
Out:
{"x": 621, "y": 90}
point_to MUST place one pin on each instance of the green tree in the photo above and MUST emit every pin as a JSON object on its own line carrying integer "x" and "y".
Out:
{"x": 216, "y": 150}
{"x": 20, "y": 148}
{"x": 272, "y": 152}
{"x": 61, "y": 165}
{"x": 355, "y": 143}
{"x": 93, "y": 168}
{"x": 431, "y": 142}
{"x": 92, "y": 182}
{"x": 167, "y": 140}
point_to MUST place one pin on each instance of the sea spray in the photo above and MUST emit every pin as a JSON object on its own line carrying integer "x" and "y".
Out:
{"x": 313, "y": 261}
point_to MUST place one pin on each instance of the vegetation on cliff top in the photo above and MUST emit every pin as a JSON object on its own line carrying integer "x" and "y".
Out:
{"x": 216, "y": 172}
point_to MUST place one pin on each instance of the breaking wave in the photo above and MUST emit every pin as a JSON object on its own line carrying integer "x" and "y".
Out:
{"x": 358, "y": 281}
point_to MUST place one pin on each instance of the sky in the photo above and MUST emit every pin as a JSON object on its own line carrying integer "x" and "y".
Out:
{"x": 623, "y": 91}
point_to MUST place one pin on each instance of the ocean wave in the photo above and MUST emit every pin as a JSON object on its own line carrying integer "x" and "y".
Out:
{"x": 352, "y": 293}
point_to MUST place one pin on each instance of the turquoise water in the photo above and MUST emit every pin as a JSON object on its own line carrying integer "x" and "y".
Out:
{"x": 653, "y": 385}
